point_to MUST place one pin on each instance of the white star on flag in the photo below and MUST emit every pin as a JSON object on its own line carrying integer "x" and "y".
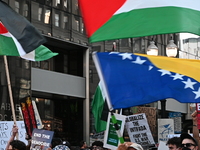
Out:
{"x": 197, "y": 93}
{"x": 164, "y": 72}
{"x": 126, "y": 55}
{"x": 113, "y": 53}
{"x": 138, "y": 61}
{"x": 177, "y": 76}
{"x": 189, "y": 84}
{"x": 150, "y": 67}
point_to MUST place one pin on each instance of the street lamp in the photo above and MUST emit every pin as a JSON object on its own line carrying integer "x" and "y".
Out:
{"x": 171, "y": 49}
{"x": 152, "y": 49}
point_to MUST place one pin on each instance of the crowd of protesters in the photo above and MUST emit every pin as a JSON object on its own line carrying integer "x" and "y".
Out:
{"x": 184, "y": 142}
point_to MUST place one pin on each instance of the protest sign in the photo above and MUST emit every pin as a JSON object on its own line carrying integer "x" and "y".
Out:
{"x": 111, "y": 139}
{"x": 138, "y": 130}
{"x": 165, "y": 127}
{"x": 176, "y": 116}
{"x": 150, "y": 113}
{"x": 6, "y": 132}
{"x": 37, "y": 116}
{"x": 28, "y": 115}
{"x": 198, "y": 114}
{"x": 41, "y": 139}
{"x": 97, "y": 137}
{"x": 162, "y": 146}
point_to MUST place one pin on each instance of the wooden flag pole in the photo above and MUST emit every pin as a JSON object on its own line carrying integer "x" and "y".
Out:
{"x": 9, "y": 89}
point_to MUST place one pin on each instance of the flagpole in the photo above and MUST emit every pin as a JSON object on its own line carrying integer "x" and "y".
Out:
{"x": 9, "y": 89}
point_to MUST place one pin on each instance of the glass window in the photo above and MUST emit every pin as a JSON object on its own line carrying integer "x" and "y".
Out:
{"x": 82, "y": 28}
{"x": 57, "y": 20}
{"x": 76, "y": 24}
{"x": 42, "y": 64}
{"x": 65, "y": 22}
{"x": 65, "y": 3}
{"x": 45, "y": 65}
{"x": 48, "y": 2}
{"x": 17, "y": 6}
{"x": 57, "y": 3}
{"x": 47, "y": 16}
{"x": 76, "y": 7}
{"x": 25, "y": 10}
{"x": 39, "y": 14}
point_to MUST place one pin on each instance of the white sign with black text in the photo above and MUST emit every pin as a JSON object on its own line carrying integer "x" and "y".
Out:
{"x": 6, "y": 132}
{"x": 138, "y": 129}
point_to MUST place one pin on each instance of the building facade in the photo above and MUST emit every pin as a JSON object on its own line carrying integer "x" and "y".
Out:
{"x": 63, "y": 86}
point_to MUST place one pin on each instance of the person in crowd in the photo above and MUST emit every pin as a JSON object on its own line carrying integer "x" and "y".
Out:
{"x": 64, "y": 145}
{"x": 97, "y": 145}
{"x": 129, "y": 146}
{"x": 15, "y": 144}
{"x": 174, "y": 143}
{"x": 135, "y": 146}
{"x": 83, "y": 145}
{"x": 188, "y": 142}
{"x": 61, "y": 147}
{"x": 195, "y": 129}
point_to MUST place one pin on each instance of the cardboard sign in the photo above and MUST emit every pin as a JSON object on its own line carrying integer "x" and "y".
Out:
{"x": 41, "y": 139}
{"x": 138, "y": 130}
{"x": 111, "y": 139}
{"x": 6, "y": 132}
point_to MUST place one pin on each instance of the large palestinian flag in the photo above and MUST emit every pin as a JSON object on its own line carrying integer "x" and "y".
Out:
{"x": 10, "y": 46}
{"x": 117, "y": 19}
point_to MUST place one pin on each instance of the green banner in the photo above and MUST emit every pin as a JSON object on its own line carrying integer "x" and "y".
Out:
{"x": 113, "y": 138}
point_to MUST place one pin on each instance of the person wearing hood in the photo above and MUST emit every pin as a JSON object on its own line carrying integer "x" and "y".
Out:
{"x": 188, "y": 142}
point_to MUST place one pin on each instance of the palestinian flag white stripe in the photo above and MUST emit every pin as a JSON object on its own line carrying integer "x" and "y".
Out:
{"x": 17, "y": 44}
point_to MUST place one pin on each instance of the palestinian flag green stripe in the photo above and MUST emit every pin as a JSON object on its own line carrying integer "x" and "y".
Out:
{"x": 7, "y": 46}
{"x": 149, "y": 21}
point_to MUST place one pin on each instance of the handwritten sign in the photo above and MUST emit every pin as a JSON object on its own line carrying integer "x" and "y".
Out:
{"x": 150, "y": 113}
{"x": 41, "y": 139}
{"x": 6, "y": 132}
{"x": 138, "y": 130}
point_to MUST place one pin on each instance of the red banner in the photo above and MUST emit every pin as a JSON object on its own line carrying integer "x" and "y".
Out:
{"x": 198, "y": 114}
{"x": 28, "y": 115}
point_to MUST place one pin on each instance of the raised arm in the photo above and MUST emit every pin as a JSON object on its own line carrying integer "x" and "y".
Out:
{"x": 195, "y": 129}
{"x": 14, "y": 133}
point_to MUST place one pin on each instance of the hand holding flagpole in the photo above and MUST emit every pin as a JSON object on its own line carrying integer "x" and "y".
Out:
{"x": 10, "y": 92}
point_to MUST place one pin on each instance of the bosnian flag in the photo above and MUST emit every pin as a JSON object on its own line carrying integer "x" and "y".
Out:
{"x": 10, "y": 46}
{"x": 117, "y": 19}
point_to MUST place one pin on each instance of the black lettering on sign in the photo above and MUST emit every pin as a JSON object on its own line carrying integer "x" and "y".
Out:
{"x": 133, "y": 118}
{"x": 136, "y": 135}
{"x": 136, "y": 129}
